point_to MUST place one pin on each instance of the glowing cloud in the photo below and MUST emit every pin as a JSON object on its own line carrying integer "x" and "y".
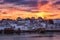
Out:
{"x": 11, "y": 10}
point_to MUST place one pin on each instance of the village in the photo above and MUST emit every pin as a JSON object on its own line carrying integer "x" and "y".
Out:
{"x": 29, "y": 25}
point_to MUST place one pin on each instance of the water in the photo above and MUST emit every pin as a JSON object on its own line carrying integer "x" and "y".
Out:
{"x": 32, "y": 36}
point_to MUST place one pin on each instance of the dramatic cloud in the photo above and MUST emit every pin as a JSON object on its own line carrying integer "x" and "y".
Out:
{"x": 56, "y": 3}
{"x": 43, "y": 2}
{"x": 43, "y": 8}
{"x": 1, "y": 1}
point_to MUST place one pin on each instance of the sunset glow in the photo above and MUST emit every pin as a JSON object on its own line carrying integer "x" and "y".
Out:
{"x": 47, "y": 11}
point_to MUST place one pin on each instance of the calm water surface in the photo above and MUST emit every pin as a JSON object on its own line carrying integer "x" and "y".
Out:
{"x": 32, "y": 36}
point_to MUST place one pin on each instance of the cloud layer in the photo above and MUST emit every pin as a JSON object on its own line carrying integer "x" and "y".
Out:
{"x": 28, "y": 7}
{"x": 24, "y": 4}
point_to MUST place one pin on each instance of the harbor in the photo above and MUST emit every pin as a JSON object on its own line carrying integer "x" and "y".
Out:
{"x": 29, "y": 19}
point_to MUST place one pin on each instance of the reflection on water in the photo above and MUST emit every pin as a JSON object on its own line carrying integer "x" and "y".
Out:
{"x": 32, "y": 36}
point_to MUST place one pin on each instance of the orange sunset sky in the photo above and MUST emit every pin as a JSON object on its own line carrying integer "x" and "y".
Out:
{"x": 47, "y": 9}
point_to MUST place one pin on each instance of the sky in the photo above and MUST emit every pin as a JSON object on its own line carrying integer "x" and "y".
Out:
{"x": 33, "y": 8}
